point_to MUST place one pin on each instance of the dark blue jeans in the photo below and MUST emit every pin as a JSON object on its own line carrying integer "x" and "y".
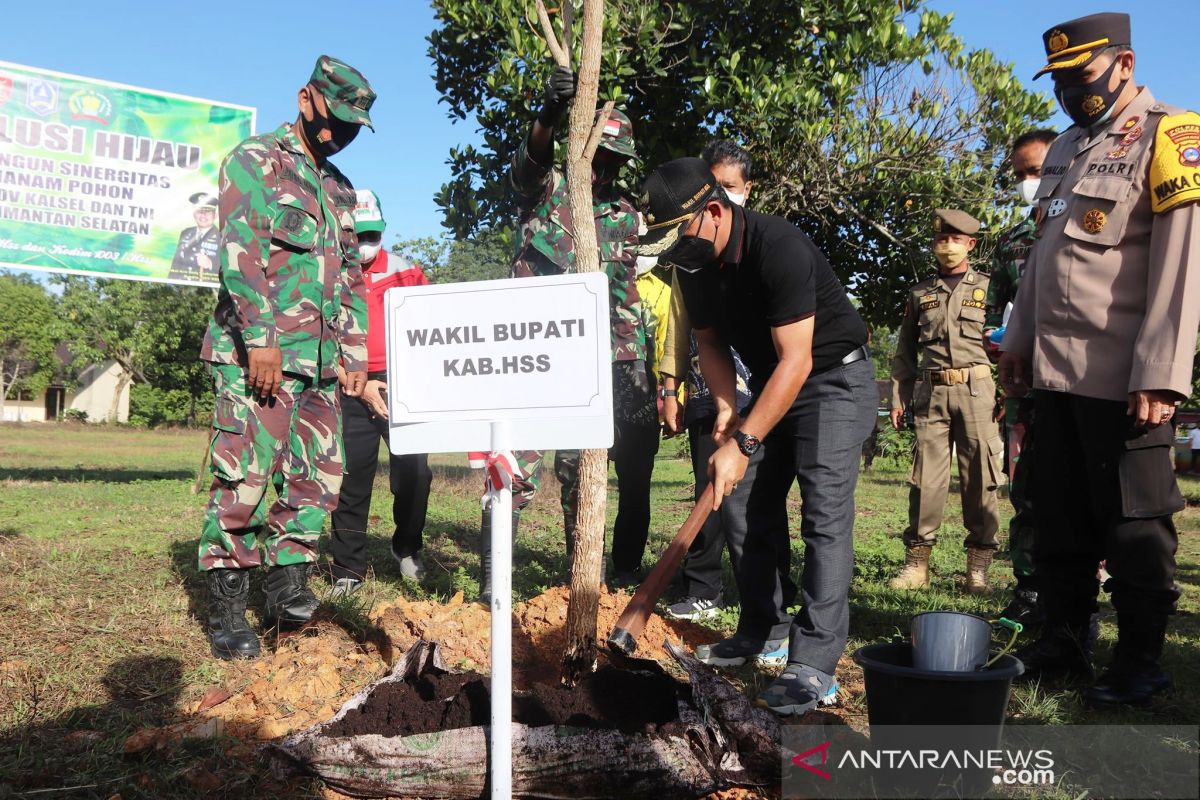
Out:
{"x": 818, "y": 443}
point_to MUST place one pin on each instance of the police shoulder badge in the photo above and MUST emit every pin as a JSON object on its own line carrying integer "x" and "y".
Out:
{"x": 1175, "y": 170}
{"x": 1094, "y": 221}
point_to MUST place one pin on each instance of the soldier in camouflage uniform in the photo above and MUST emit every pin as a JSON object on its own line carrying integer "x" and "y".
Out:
{"x": 1008, "y": 262}
{"x": 290, "y": 308}
{"x": 547, "y": 248}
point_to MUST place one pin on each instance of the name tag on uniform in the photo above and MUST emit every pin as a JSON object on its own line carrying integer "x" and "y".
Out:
{"x": 969, "y": 303}
{"x": 929, "y": 301}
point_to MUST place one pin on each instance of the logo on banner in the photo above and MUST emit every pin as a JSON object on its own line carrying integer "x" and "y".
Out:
{"x": 90, "y": 105}
{"x": 41, "y": 97}
{"x": 6, "y": 86}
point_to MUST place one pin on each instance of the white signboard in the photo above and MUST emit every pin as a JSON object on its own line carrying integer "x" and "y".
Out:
{"x": 532, "y": 354}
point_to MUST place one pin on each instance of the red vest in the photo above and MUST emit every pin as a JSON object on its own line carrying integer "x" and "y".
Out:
{"x": 378, "y": 281}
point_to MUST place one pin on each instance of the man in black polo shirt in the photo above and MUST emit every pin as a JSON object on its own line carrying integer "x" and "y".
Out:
{"x": 755, "y": 283}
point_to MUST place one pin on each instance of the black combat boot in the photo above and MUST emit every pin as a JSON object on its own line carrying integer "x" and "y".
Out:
{"x": 1134, "y": 676}
{"x": 1064, "y": 648}
{"x": 485, "y": 558}
{"x": 289, "y": 600}
{"x": 1061, "y": 651}
{"x": 227, "y": 626}
{"x": 1025, "y": 606}
{"x": 485, "y": 554}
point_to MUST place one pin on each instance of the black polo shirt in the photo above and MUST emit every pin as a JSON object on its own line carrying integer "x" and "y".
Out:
{"x": 771, "y": 274}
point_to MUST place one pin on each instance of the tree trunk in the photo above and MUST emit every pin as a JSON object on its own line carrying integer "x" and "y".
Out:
{"x": 587, "y": 564}
{"x": 114, "y": 409}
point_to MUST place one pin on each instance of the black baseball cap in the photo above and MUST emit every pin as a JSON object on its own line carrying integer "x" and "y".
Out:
{"x": 671, "y": 196}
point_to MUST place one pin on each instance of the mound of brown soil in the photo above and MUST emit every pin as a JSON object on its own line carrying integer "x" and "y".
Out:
{"x": 632, "y": 702}
{"x": 539, "y": 632}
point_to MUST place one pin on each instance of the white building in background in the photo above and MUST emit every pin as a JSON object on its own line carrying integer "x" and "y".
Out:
{"x": 93, "y": 395}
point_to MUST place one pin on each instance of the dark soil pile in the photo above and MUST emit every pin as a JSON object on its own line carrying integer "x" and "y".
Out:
{"x": 632, "y": 702}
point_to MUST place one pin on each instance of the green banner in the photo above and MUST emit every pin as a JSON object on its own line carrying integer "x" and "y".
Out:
{"x": 102, "y": 179}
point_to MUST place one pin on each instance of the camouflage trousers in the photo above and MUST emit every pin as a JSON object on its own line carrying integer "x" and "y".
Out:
{"x": 292, "y": 442}
{"x": 1018, "y": 420}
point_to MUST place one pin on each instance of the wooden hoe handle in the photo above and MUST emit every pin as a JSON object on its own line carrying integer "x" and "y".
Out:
{"x": 633, "y": 619}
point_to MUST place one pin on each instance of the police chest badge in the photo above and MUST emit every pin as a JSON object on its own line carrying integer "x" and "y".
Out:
{"x": 978, "y": 294}
{"x": 1094, "y": 221}
{"x": 1131, "y": 137}
{"x": 929, "y": 301}
{"x": 1120, "y": 152}
{"x": 1057, "y": 206}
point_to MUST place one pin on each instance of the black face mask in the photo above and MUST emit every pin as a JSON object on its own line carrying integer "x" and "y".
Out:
{"x": 341, "y": 133}
{"x": 693, "y": 253}
{"x": 1090, "y": 103}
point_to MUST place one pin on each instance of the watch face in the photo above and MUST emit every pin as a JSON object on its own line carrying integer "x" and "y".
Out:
{"x": 746, "y": 443}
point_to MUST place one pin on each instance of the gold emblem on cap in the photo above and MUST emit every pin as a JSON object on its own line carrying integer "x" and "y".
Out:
{"x": 1057, "y": 42}
{"x": 1094, "y": 221}
{"x": 937, "y": 224}
{"x": 1092, "y": 105}
{"x": 979, "y": 294}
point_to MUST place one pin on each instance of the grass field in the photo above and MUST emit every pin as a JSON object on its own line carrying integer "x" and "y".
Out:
{"x": 100, "y": 604}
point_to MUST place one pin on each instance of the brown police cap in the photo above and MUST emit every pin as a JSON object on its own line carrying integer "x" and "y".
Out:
{"x": 1073, "y": 44}
{"x": 951, "y": 220}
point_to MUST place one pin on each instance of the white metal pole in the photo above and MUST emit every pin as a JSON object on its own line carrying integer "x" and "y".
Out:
{"x": 501, "y": 519}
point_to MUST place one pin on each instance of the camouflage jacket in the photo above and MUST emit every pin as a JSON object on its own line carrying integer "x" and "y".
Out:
{"x": 1008, "y": 263}
{"x": 290, "y": 276}
{"x": 547, "y": 245}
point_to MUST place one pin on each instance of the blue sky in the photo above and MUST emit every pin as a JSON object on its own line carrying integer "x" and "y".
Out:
{"x": 224, "y": 50}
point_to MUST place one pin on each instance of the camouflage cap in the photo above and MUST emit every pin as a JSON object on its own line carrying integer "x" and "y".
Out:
{"x": 618, "y": 134}
{"x": 368, "y": 213}
{"x": 345, "y": 89}
{"x": 951, "y": 220}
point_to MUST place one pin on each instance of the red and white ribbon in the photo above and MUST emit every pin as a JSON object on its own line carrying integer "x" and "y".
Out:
{"x": 500, "y": 468}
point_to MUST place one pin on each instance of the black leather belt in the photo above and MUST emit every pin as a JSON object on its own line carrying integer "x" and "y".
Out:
{"x": 859, "y": 354}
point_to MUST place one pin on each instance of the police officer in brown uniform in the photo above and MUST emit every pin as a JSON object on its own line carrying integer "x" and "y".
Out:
{"x": 952, "y": 396}
{"x": 1104, "y": 328}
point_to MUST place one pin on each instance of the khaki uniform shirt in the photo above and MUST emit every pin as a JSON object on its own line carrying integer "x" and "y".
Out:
{"x": 1107, "y": 305}
{"x": 946, "y": 326}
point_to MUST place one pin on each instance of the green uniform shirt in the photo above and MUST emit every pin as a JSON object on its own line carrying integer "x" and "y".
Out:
{"x": 547, "y": 245}
{"x": 290, "y": 275}
{"x": 1008, "y": 263}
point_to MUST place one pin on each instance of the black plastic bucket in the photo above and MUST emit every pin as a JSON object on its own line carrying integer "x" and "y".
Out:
{"x": 974, "y": 702}
{"x": 900, "y": 694}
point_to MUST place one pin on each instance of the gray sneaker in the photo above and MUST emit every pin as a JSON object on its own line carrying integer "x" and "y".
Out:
{"x": 694, "y": 608}
{"x": 738, "y": 649}
{"x": 798, "y": 690}
{"x": 344, "y": 587}
{"x": 411, "y": 567}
